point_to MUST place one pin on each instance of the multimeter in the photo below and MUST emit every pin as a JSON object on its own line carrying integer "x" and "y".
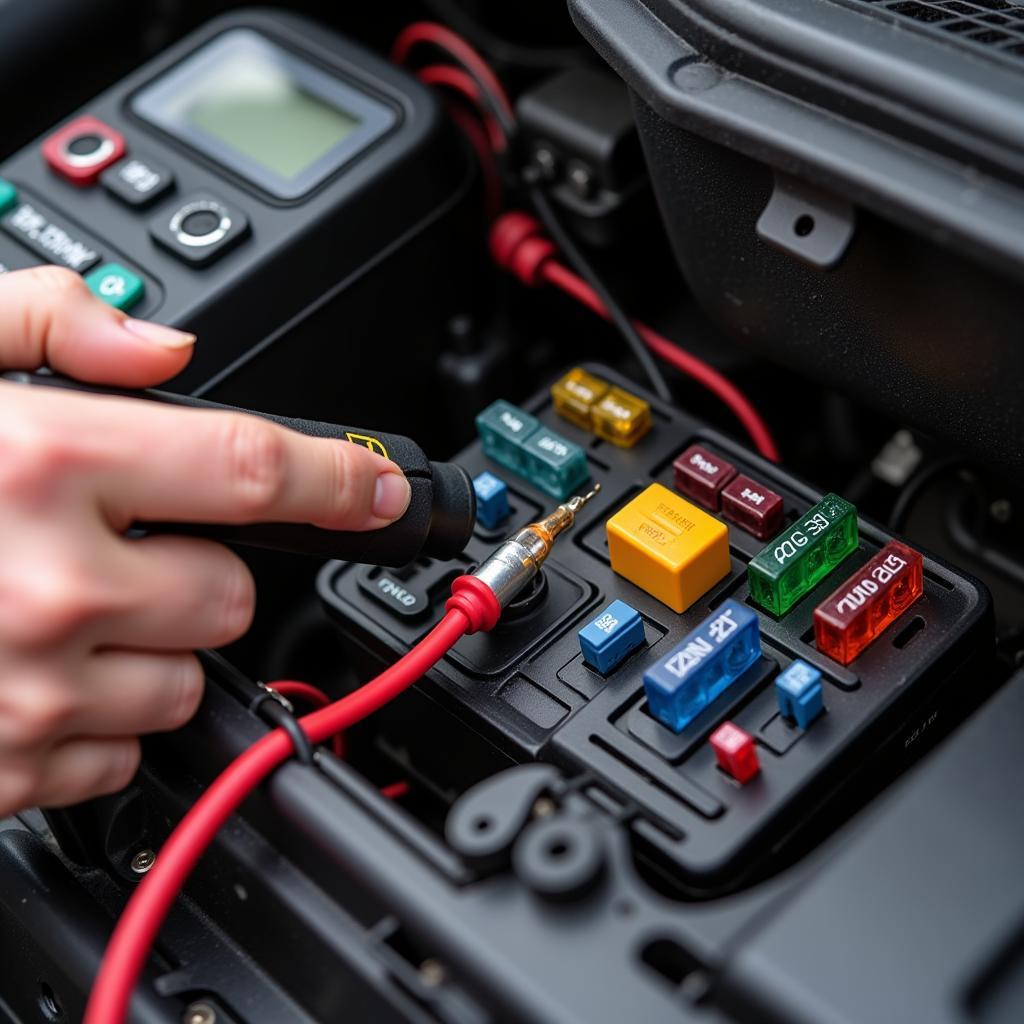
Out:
{"x": 258, "y": 170}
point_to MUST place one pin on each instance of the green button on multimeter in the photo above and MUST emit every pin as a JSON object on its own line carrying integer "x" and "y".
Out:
{"x": 8, "y": 195}
{"x": 115, "y": 285}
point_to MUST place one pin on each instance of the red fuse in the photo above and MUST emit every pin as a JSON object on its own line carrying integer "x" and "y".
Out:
{"x": 702, "y": 475}
{"x": 735, "y": 751}
{"x": 878, "y": 593}
{"x": 752, "y": 506}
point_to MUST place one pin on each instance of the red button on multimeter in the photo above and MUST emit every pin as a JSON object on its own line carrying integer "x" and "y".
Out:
{"x": 82, "y": 149}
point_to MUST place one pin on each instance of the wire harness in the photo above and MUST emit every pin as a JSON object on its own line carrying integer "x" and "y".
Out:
{"x": 476, "y": 604}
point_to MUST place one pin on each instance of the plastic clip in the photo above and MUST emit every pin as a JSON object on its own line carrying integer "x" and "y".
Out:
{"x": 273, "y": 708}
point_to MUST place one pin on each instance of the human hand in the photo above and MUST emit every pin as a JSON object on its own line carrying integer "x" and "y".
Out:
{"x": 97, "y": 631}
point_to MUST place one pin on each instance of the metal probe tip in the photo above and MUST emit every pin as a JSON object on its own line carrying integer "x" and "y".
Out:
{"x": 577, "y": 502}
{"x": 515, "y": 562}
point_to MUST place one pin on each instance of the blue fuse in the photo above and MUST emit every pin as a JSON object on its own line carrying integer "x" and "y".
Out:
{"x": 607, "y": 640}
{"x": 491, "y": 500}
{"x": 798, "y": 690}
{"x": 700, "y": 668}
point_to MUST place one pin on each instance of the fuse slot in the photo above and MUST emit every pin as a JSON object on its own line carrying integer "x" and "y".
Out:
{"x": 909, "y": 633}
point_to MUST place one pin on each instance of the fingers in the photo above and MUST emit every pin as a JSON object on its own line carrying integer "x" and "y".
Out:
{"x": 178, "y": 594}
{"x": 81, "y": 768}
{"x": 132, "y": 693}
{"x": 49, "y": 317}
{"x": 195, "y": 466}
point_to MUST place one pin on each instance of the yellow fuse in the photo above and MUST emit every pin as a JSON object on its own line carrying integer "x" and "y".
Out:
{"x": 668, "y": 547}
{"x": 575, "y": 394}
{"x": 621, "y": 418}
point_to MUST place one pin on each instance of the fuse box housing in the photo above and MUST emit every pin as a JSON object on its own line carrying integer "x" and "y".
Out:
{"x": 528, "y": 689}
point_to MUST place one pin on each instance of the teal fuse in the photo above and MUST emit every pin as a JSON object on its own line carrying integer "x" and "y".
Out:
{"x": 800, "y": 557}
{"x": 555, "y": 465}
{"x": 503, "y": 429}
{"x": 519, "y": 441}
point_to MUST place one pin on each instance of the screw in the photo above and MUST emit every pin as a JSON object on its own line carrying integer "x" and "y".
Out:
{"x": 143, "y": 861}
{"x": 543, "y": 807}
{"x": 432, "y": 973}
{"x": 581, "y": 178}
{"x": 200, "y": 1013}
{"x": 546, "y": 162}
{"x": 1001, "y": 510}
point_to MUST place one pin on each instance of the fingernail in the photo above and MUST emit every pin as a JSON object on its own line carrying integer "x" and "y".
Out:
{"x": 391, "y": 496}
{"x": 158, "y": 334}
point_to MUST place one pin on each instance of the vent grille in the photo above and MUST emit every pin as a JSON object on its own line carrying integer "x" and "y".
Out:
{"x": 991, "y": 27}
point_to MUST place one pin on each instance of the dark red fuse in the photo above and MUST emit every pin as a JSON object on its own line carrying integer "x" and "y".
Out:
{"x": 752, "y": 506}
{"x": 853, "y": 617}
{"x": 702, "y": 475}
{"x": 735, "y": 752}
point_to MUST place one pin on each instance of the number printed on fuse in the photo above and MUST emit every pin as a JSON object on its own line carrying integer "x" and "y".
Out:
{"x": 798, "y": 539}
{"x": 606, "y": 623}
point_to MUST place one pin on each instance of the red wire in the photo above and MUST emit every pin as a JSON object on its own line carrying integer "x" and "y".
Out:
{"x": 551, "y": 270}
{"x": 465, "y": 85}
{"x": 562, "y": 277}
{"x": 477, "y": 137}
{"x": 144, "y": 913}
{"x": 295, "y": 690}
{"x": 455, "y": 46}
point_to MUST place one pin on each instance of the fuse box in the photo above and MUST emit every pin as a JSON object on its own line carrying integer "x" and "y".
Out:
{"x": 540, "y": 687}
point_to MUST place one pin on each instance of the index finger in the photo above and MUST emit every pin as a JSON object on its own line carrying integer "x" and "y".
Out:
{"x": 155, "y": 462}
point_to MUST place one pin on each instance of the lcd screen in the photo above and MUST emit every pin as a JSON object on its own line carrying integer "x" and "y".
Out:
{"x": 283, "y": 122}
{"x": 257, "y": 108}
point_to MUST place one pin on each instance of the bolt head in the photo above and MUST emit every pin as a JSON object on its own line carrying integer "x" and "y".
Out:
{"x": 200, "y": 1013}
{"x": 432, "y": 973}
{"x": 143, "y": 861}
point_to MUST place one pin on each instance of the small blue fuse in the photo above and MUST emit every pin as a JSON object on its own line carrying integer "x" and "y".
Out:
{"x": 491, "y": 500}
{"x": 798, "y": 690}
{"x": 607, "y": 640}
{"x": 700, "y": 668}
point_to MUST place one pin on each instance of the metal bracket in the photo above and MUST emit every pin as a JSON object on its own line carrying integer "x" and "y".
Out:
{"x": 808, "y": 223}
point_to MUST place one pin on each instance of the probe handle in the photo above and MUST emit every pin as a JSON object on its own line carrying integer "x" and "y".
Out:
{"x": 438, "y": 522}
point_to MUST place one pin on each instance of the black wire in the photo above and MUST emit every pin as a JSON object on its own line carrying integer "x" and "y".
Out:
{"x": 569, "y": 249}
{"x": 582, "y": 266}
{"x": 267, "y": 706}
{"x": 915, "y": 486}
{"x": 488, "y": 98}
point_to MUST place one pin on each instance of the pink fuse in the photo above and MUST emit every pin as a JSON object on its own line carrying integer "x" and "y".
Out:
{"x": 702, "y": 475}
{"x": 752, "y": 506}
{"x": 735, "y": 752}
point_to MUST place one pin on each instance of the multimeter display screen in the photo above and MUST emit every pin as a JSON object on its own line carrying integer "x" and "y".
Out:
{"x": 257, "y": 108}
{"x": 280, "y": 121}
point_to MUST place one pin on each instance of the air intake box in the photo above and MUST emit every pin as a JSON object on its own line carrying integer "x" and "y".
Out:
{"x": 843, "y": 184}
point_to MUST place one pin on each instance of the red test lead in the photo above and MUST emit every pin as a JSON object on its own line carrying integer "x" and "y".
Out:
{"x": 476, "y": 604}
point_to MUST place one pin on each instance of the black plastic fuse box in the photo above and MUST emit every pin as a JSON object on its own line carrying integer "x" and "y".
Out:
{"x": 527, "y": 688}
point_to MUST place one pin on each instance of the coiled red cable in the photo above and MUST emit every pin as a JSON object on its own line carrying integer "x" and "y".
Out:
{"x": 472, "y": 606}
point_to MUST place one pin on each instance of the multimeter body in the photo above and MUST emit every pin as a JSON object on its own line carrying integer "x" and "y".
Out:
{"x": 244, "y": 184}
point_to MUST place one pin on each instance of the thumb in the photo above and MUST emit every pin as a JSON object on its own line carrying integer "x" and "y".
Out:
{"x": 48, "y": 317}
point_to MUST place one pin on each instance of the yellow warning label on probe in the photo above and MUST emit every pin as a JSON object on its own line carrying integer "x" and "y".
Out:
{"x": 368, "y": 442}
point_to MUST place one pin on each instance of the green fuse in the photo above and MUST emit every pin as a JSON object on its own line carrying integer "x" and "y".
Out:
{"x": 503, "y": 430}
{"x": 803, "y": 555}
{"x": 555, "y": 465}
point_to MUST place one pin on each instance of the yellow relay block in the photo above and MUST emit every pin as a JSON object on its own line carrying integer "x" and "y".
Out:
{"x": 668, "y": 547}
